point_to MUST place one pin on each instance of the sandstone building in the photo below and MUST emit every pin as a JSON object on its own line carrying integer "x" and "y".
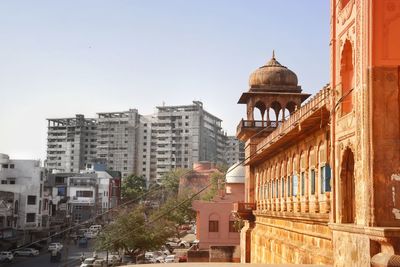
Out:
{"x": 322, "y": 175}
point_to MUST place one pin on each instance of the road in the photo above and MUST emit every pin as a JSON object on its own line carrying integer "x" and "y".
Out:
{"x": 70, "y": 257}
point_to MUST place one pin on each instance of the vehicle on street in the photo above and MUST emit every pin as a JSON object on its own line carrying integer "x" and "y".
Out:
{"x": 177, "y": 243}
{"x": 6, "y": 256}
{"x": 95, "y": 228}
{"x": 114, "y": 258}
{"x": 54, "y": 246}
{"x": 90, "y": 234}
{"x": 26, "y": 252}
{"x": 126, "y": 259}
{"x": 83, "y": 242}
{"x": 55, "y": 255}
{"x": 154, "y": 257}
{"x": 182, "y": 258}
{"x": 88, "y": 262}
{"x": 99, "y": 263}
{"x": 81, "y": 232}
{"x": 170, "y": 259}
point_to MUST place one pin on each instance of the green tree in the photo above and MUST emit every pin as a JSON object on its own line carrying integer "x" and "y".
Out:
{"x": 134, "y": 232}
{"x": 217, "y": 182}
{"x": 177, "y": 211}
{"x": 170, "y": 181}
{"x": 133, "y": 187}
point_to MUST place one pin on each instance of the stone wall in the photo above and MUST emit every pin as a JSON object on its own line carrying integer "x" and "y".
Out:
{"x": 278, "y": 240}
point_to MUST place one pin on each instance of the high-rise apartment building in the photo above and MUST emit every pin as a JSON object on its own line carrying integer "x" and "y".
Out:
{"x": 185, "y": 135}
{"x": 117, "y": 134}
{"x": 147, "y": 143}
{"x": 234, "y": 151}
{"x": 151, "y": 145}
{"x": 71, "y": 143}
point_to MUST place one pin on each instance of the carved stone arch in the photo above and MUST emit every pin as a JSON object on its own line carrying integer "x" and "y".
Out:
{"x": 291, "y": 106}
{"x": 275, "y": 108}
{"x": 260, "y": 105}
{"x": 347, "y": 198}
{"x": 347, "y": 66}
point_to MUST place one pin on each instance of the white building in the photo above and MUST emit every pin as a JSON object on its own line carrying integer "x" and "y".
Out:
{"x": 117, "y": 140}
{"x": 185, "y": 135}
{"x": 22, "y": 190}
{"x": 234, "y": 151}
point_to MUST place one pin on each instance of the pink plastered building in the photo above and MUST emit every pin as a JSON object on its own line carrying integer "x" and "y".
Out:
{"x": 215, "y": 223}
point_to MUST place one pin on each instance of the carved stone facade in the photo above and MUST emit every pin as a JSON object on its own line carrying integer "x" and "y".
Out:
{"x": 325, "y": 181}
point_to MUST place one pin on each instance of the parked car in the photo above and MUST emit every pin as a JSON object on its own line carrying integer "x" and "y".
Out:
{"x": 95, "y": 228}
{"x": 6, "y": 256}
{"x": 83, "y": 242}
{"x": 182, "y": 258}
{"x": 81, "y": 232}
{"x": 114, "y": 258}
{"x": 170, "y": 259}
{"x": 26, "y": 252}
{"x": 154, "y": 256}
{"x": 54, "y": 246}
{"x": 90, "y": 234}
{"x": 88, "y": 262}
{"x": 177, "y": 243}
{"x": 126, "y": 259}
{"x": 99, "y": 263}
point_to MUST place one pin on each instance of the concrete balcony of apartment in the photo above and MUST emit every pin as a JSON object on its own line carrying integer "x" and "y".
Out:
{"x": 244, "y": 210}
{"x": 247, "y": 128}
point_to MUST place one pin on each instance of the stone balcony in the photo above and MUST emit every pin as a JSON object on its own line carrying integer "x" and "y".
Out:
{"x": 248, "y": 128}
{"x": 313, "y": 114}
{"x": 244, "y": 210}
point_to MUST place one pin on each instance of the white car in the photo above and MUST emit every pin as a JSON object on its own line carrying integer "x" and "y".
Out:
{"x": 90, "y": 234}
{"x": 54, "y": 246}
{"x": 26, "y": 252}
{"x": 95, "y": 228}
{"x": 6, "y": 256}
{"x": 88, "y": 262}
{"x": 154, "y": 257}
{"x": 170, "y": 259}
{"x": 177, "y": 243}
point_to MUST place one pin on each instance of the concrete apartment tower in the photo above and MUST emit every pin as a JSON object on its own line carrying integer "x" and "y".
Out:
{"x": 71, "y": 143}
{"x": 234, "y": 151}
{"x": 117, "y": 140}
{"x": 185, "y": 135}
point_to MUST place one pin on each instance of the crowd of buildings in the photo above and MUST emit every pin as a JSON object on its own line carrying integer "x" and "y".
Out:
{"x": 87, "y": 159}
{"x": 144, "y": 145}
{"x": 35, "y": 203}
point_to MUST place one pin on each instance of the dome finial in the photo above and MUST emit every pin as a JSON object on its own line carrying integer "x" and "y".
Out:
{"x": 273, "y": 53}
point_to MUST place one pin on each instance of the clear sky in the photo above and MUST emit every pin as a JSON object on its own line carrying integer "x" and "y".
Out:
{"x": 61, "y": 58}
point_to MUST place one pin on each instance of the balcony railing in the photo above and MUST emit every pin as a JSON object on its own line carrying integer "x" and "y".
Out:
{"x": 244, "y": 210}
{"x": 247, "y": 128}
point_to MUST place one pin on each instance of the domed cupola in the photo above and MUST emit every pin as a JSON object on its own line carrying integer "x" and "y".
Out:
{"x": 274, "y": 94}
{"x": 272, "y": 74}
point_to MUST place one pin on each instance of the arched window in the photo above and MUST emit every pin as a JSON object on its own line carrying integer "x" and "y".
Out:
{"x": 295, "y": 182}
{"x": 346, "y": 75}
{"x": 261, "y": 108}
{"x": 311, "y": 166}
{"x": 325, "y": 170}
{"x": 302, "y": 174}
{"x": 347, "y": 188}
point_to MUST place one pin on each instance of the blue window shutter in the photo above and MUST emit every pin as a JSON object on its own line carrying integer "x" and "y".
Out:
{"x": 327, "y": 178}
{"x": 322, "y": 179}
